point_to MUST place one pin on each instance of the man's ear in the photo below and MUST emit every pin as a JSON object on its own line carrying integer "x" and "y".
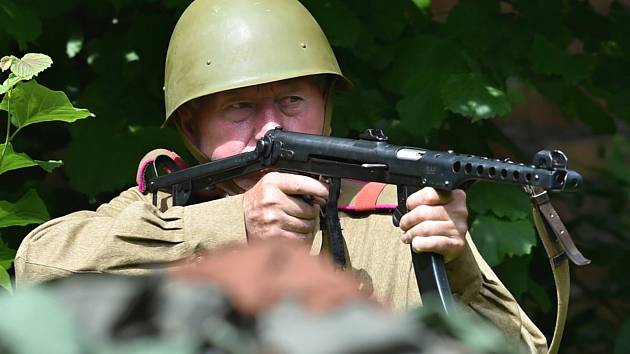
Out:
{"x": 186, "y": 122}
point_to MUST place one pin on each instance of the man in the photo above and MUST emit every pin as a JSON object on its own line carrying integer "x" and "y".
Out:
{"x": 234, "y": 70}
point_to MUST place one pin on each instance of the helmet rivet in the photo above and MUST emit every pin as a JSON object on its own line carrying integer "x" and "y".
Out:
{"x": 303, "y": 45}
{"x": 208, "y": 62}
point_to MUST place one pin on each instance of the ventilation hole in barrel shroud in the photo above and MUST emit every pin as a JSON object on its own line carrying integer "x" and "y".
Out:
{"x": 528, "y": 177}
{"x": 504, "y": 173}
{"x": 515, "y": 175}
{"x": 492, "y": 172}
{"x": 479, "y": 170}
{"x": 468, "y": 168}
{"x": 457, "y": 166}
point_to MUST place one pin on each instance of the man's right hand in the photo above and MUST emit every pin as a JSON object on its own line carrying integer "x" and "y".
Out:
{"x": 276, "y": 207}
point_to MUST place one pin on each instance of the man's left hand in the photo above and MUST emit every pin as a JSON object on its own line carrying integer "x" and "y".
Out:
{"x": 437, "y": 221}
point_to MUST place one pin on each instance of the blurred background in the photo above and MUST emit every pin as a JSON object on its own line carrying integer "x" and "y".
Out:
{"x": 495, "y": 78}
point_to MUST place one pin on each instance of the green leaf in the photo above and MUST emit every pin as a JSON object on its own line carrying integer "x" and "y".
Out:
{"x": 502, "y": 200}
{"x": 31, "y": 64}
{"x": 548, "y": 59}
{"x": 473, "y": 96}
{"x": 30, "y": 209}
{"x": 496, "y": 238}
{"x": 422, "y": 111}
{"x": 5, "y": 280}
{"x": 8, "y": 84}
{"x": 6, "y": 255}
{"x": 6, "y": 61}
{"x": 422, "y": 4}
{"x": 33, "y": 103}
{"x": 338, "y": 22}
{"x": 14, "y": 160}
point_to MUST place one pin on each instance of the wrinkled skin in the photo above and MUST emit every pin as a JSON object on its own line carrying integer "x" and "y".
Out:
{"x": 230, "y": 122}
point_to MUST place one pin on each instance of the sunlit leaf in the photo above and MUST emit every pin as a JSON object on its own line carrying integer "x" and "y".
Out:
{"x": 5, "y": 280}
{"x": 6, "y": 61}
{"x": 14, "y": 160}
{"x": 422, "y": 4}
{"x": 31, "y": 64}
{"x": 6, "y": 255}
{"x": 30, "y": 209}
{"x": 504, "y": 201}
{"x": 8, "y": 84}
{"x": 497, "y": 238}
{"x": 34, "y": 103}
{"x": 472, "y": 96}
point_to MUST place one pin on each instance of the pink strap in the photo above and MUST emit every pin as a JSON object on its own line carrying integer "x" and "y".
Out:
{"x": 367, "y": 200}
{"x": 149, "y": 159}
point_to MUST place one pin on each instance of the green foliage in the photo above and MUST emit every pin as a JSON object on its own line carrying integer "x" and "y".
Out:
{"x": 26, "y": 102}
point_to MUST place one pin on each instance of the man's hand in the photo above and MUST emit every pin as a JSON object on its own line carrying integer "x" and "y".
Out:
{"x": 276, "y": 206}
{"x": 436, "y": 222}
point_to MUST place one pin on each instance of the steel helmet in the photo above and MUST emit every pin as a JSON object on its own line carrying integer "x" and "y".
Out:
{"x": 219, "y": 45}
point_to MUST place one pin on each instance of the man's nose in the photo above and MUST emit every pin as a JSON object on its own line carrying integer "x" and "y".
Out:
{"x": 268, "y": 117}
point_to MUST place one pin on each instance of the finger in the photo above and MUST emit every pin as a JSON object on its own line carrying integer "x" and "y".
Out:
{"x": 297, "y": 225}
{"x": 428, "y": 196}
{"x": 448, "y": 247}
{"x": 432, "y": 228}
{"x": 423, "y": 213}
{"x": 301, "y": 185}
{"x": 295, "y": 206}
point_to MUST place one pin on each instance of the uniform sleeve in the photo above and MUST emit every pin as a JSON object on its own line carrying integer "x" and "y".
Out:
{"x": 476, "y": 285}
{"x": 128, "y": 236}
{"x": 383, "y": 264}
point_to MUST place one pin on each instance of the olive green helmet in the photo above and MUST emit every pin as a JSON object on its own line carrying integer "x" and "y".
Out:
{"x": 219, "y": 45}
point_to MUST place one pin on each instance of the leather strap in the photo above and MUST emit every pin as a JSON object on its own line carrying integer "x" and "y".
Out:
{"x": 560, "y": 249}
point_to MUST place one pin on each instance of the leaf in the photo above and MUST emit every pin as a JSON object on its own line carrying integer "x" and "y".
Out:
{"x": 423, "y": 60}
{"x": 496, "y": 238}
{"x": 502, "y": 200}
{"x": 422, "y": 112}
{"x": 6, "y": 255}
{"x": 31, "y": 64}
{"x": 5, "y": 62}
{"x": 422, "y": 4}
{"x": 14, "y": 160}
{"x": 33, "y": 103}
{"x": 5, "y": 280}
{"x": 548, "y": 59}
{"x": 473, "y": 96}
{"x": 8, "y": 84}
{"x": 30, "y": 209}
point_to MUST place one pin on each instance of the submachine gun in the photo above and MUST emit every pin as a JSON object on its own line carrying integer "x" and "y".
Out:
{"x": 371, "y": 158}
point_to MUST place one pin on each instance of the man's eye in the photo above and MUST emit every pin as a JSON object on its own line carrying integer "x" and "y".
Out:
{"x": 239, "y": 111}
{"x": 240, "y": 105}
{"x": 291, "y": 100}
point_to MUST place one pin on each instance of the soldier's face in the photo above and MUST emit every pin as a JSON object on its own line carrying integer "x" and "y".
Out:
{"x": 230, "y": 122}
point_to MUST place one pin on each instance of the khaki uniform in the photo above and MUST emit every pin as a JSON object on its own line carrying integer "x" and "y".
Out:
{"x": 130, "y": 236}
